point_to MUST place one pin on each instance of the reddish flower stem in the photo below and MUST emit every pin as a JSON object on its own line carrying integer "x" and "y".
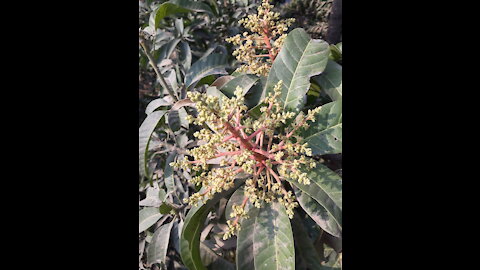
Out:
{"x": 255, "y": 133}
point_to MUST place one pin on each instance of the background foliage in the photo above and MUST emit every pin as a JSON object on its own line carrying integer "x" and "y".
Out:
{"x": 185, "y": 41}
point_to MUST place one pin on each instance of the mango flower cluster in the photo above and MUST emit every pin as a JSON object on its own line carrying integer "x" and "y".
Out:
{"x": 267, "y": 39}
{"x": 240, "y": 144}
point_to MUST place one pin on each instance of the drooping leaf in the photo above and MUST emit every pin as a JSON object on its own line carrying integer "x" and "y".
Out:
{"x": 325, "y": 187}
{"x": 194, "y": 221}
{"x": 331, "y": 80}
{"x": 168, "y": 173}
{"x": 265, "y": 241}
{"x": 209, "y": 65}
{"x": 324, "y": 136}
{"x": 318, "y": 213}
{"x": 157, "y": 249}
{"x": 155, "y": 104}
{"x": 144, "y": 135}
{"x": 299, "y": 59}
{"x": 147, "y": 217}
{"x": 304, "y": 244}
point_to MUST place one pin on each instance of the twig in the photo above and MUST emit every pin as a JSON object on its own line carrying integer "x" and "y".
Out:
{"x": 155, "y": 68}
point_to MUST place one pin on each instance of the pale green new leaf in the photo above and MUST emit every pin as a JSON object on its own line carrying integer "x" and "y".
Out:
{"x": 325, "y": 187}
{"x": 324, "y": 136}
{"x": 299, "y": 59}
{"x": 265, "y": 241}
{"x": 157, "y": 249}
{"x": 209, "y": 65}
{"x": 147, "y": 217}
{"x": 144, "y": 135}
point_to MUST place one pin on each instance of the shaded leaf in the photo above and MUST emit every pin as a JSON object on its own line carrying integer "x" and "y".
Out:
{"x": 304, "y": 244}
{"x": 214, "y": 261}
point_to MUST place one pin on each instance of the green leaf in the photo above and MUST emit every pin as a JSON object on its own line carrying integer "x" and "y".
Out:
{"x": 325, "y": 187}
{"x": 318, "y": 213}
{"x": 331, "y": 80}
{"x": 265, "y": 241}
{"x": 304, "y": 244}
{"x": 324, "y": 136}
{"x": 194, "y": 221}
{"x": 165, "y": 209}
{"x": 299, "y": 59}
{"x": 147, "y": 217}
{"x": 209, "y": 65}
{"x": 168, "y": 174}
{"x": 144, "y": 135}
{"x": 157, "y": 249}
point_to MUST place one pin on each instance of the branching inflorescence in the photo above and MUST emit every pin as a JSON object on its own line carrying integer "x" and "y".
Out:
{"x": 268, "y": 149}
{"x": 259, "y": 49}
